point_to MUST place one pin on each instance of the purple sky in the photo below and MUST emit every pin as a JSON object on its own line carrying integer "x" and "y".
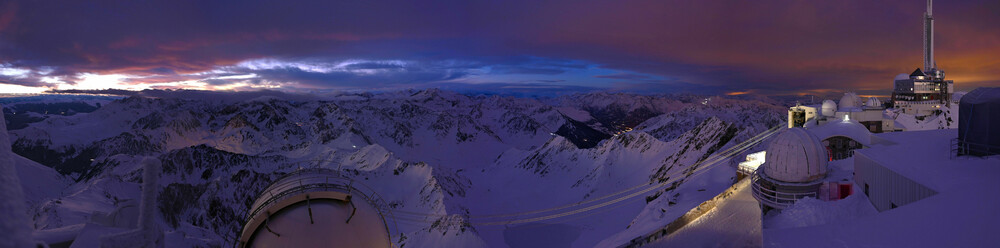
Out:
{"x": 698, "y": 46}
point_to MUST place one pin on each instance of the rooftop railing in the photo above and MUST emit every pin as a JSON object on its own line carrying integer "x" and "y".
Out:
{"x": 962, "y": 148}
{"x": 784, "y": 194}
{"x": 318, "y": 180}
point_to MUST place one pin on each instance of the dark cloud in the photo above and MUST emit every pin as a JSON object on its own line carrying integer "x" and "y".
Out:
{"x": 373, "y": 65}
{"x": 219, "y": 96}
{"x": 625, "y": 76}
{"x": 515, "y": 89}
{"x": 30, "y": 82}
{"x": 526, "y": 70}
{"x": 551, "y": 81}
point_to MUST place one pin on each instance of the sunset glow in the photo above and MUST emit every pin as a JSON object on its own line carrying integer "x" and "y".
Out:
{"x": 703, "y": 47}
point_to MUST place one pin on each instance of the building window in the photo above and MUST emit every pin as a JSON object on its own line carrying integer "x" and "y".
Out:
{"x": 840, "y": 147}
{"x": 866, "y": 190}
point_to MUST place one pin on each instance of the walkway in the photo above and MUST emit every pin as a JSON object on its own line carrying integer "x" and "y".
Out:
{"x": 734, "y": 222}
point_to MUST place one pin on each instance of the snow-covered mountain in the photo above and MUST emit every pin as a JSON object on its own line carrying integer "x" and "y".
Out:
{"x": 446, "y": 163}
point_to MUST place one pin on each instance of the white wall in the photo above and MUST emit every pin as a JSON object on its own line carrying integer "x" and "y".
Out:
{"x": 885, "y": 186}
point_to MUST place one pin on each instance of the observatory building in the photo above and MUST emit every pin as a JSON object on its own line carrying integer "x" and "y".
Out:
{"x": 795, "y": 167}
{"x": 844, "y": 127}
{"x": 923, "y": 92}
{"x": 871, "y": 113}
{"x": 316, "y": 208}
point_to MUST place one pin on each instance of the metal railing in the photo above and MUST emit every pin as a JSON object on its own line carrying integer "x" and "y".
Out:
{"x": 780, "y": 199}
{"x": 745, "y": 170}
{"x": 317, "y": 180}
{"x": 961, "y": 148}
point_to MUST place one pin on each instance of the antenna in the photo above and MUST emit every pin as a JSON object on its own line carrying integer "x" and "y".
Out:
{"x": 929, "y": 64}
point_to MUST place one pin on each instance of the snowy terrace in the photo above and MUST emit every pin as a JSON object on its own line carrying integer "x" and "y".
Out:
{"x": 962, "y": 213}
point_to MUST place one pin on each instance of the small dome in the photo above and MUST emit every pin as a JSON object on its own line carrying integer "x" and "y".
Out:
{"x": 873, "y": 102}
{"x": 902, "y": 76}
{"x": 849, "y": 102}
{"x": 829, "y": 108}
{"x": 796, "y": 156}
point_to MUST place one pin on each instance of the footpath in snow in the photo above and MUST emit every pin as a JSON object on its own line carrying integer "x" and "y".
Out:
{"x": 734, "y": 222}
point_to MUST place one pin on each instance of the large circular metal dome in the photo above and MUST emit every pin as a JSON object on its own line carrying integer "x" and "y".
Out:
{"x": 796, "y": 156}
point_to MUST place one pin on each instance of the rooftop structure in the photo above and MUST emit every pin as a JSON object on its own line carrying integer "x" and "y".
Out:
{"x": 927, "y": 197}
{"x": 794, "y": 167}
{"x": 316, "y": 208}
{"x": 796, "y": 156}
{"x": 850, "y": 102}
{"x": 979, "y": 116}
{"x": 841, "y": 138}
{"x": 870, "y": 114}
{"x": 843, "y": 128}
{"x": 923, "y": 92}
{"x": 753, "y": 161}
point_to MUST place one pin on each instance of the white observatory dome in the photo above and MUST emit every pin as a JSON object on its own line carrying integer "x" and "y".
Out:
{"x": 796, "y": 156}
{"x": 873, "y": 102}
{"x": 829, "y": 108}
{"x": 849, "y": 102}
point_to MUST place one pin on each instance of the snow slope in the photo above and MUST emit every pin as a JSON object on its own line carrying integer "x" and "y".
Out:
{"x": 446, "y": 163}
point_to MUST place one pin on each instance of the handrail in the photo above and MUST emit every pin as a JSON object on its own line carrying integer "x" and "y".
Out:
{"x": 775, "y": 198}
{"x": 961, "y": 147}
{"x": 322, "y": 180}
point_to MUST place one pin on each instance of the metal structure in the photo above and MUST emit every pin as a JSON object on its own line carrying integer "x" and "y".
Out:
{"x": 929, "y": 38}
{"x": 778, "y": 194}
{"x": 923, "y": 92}
{"x": 795, "y": 167}
{"x": 979, "y": 115}
{"x": 317, "y": 208}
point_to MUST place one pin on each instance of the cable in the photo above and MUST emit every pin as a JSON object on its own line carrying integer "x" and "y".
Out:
{"x": 728, "y": 153}
{"x": 712, "y": 161}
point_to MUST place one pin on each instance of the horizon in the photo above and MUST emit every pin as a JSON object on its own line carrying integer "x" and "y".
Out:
{"x": 180, "y": 93}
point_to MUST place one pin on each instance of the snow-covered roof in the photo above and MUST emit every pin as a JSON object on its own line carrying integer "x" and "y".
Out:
{"x": 961, "y": 214}
{"x": 925, "y": 157}
{"x": 982, "y": 95}
{"x": 796, "y": 155}
{"x": 847, "y": 128}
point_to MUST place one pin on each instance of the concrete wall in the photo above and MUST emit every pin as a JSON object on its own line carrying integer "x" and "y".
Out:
{"x": 885, "y": 187}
